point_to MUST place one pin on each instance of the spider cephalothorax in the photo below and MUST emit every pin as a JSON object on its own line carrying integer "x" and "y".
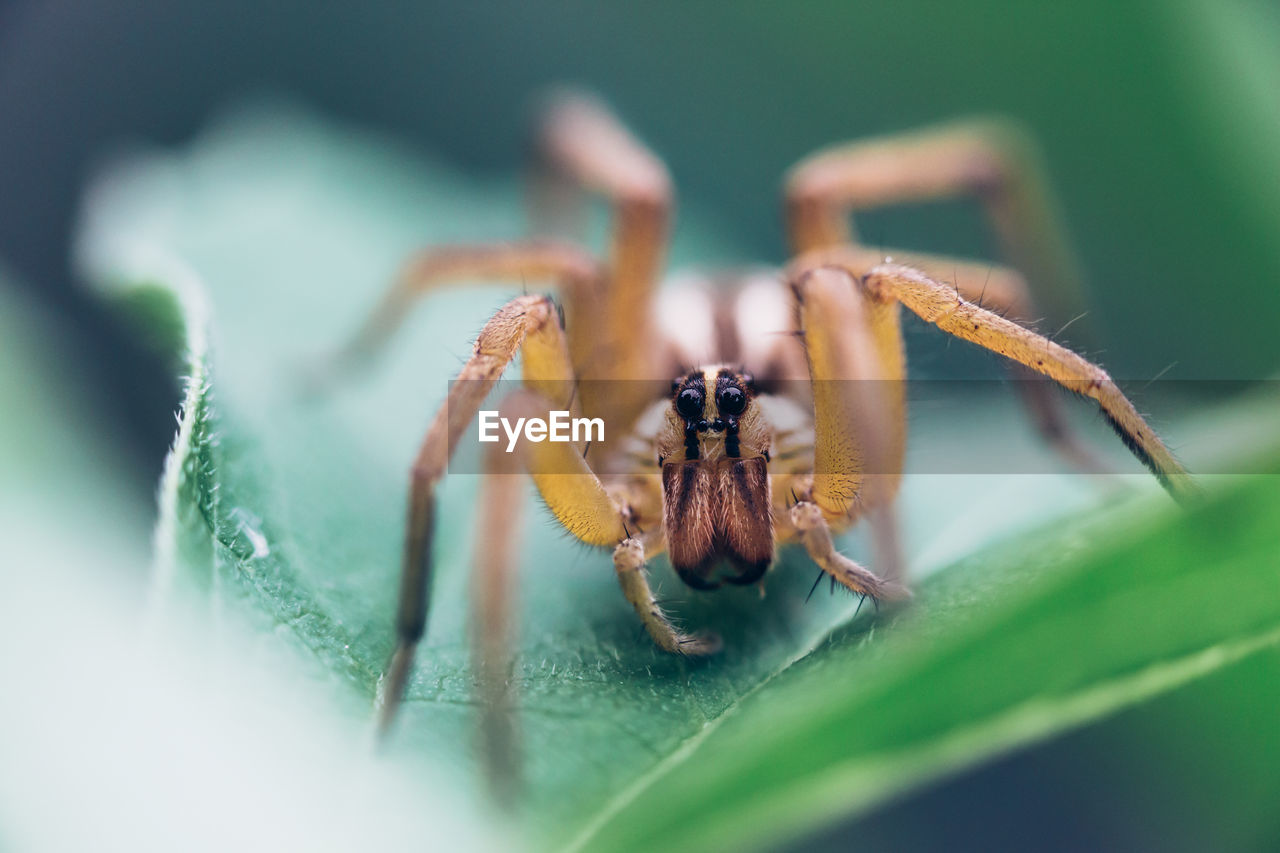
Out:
{"x": 738, "y": 473}
{"x": 713, "y": 451}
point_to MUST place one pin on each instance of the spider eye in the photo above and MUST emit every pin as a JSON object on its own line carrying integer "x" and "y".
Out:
{"x": 689, "y": 403}
{"x": 732, "y": 401}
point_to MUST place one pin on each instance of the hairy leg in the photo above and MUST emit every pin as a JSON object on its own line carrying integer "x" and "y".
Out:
{"x": 857, "y": 416}
{"x": 991, "y": 161}
{"x": 575, "y": 273}
{"x": 581, "y": 141}
{"x": 527, "y": 323}
{"x": 1002, "y": 290}
{"x": 856, "y": 367}
{"x": 581, "y": 503}
{"x": 940, "y": 304}
{"x": 809, "y": 521}
{"x": 629, "y": 561}
{"x": 493, "y": 625}
{"x": 563, "y": 477}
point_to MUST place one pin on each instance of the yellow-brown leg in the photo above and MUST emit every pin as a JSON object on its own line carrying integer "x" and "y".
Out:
{"x": 856, "y": 454}
{"x": 1005, "y": 292}
{"x": 527, "y": 323}
{"x": 999, "y": 288}
{"x": 578, "y": 499}
{"x": 493, "y": 620}
{"x": 858, "y": 422}
{"x": 568, "y": 486}
{"x": 941, "y": 305}
{"x": 580, "y": 502}
{"x": 579, "y": 139}
{"x": 808, "y": 520}
{"x": 991, "y": 161}
{"x": 629, "y": 562}
{"x": 575, "y": 273}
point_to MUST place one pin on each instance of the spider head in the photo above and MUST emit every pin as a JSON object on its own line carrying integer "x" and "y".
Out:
{"x": 715, "y": 482}
{"x": 714, "y": 410}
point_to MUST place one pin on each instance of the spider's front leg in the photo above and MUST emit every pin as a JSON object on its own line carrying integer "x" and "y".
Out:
{"x": 855, "y": 365}
{"x": 938, "y": 304}
{"x": 629, "y": 561}
{"x": 566, "y": 482}
{"x": 579, "y": 501}
{"x": 527, "y": 324}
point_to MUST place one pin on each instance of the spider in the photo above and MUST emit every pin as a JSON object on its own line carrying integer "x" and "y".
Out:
{"x": 728, "y": 461}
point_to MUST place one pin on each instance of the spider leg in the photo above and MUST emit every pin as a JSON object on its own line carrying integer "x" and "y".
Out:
{"x": 629, "y": 560}
{"x": 581, "y": 504}
{"x": 578, "y": 499}
{"x": 857, "y": 402}
{"x": 579, "y": 140}
{"x": 938, "y": 303}
{"x": 992, "y": 161}
{"x": 564, "y": 479}
{"x": 528, "y": 324}
{"x": 493, "y": 621}
{"x": 854, "y": 351}
{"x": 815, "y": 534}
{"x": 934, "y": 304}
{"x": 573, "y": 270}
{"x": 1004, "y": 291}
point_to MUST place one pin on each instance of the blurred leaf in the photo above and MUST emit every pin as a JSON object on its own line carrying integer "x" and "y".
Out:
{"x": 1193, "y": 769}
{"x": 153, "y": 745}
{"x": 274, "y": 234}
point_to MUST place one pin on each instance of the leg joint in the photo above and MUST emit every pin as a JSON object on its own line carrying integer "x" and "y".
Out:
{"x": 628, "y": 556}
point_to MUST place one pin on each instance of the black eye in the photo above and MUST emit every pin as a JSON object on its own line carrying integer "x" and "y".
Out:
{"x": 689, "y": 403}
{"x": 732, "y": 401}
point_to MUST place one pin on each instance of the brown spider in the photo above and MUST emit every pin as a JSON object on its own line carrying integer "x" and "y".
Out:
{"x": 710, "y": 467}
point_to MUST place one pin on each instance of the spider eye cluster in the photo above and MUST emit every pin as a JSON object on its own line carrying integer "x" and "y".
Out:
{"x": 731, "y": 401}
{"x": 689, "y": 403}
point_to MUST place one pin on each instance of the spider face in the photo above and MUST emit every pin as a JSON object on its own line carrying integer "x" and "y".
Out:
{"x": 711, "y": 407}
{"x": 714, "y": 454}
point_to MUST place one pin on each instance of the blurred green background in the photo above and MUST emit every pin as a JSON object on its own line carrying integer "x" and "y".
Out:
{"x": 1158, "y": 121}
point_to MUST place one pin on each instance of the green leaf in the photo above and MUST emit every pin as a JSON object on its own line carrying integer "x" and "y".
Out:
{"x": 861, "y": 721}
{"x": 272, "y": 237}
{"x": 117, "y": 735}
